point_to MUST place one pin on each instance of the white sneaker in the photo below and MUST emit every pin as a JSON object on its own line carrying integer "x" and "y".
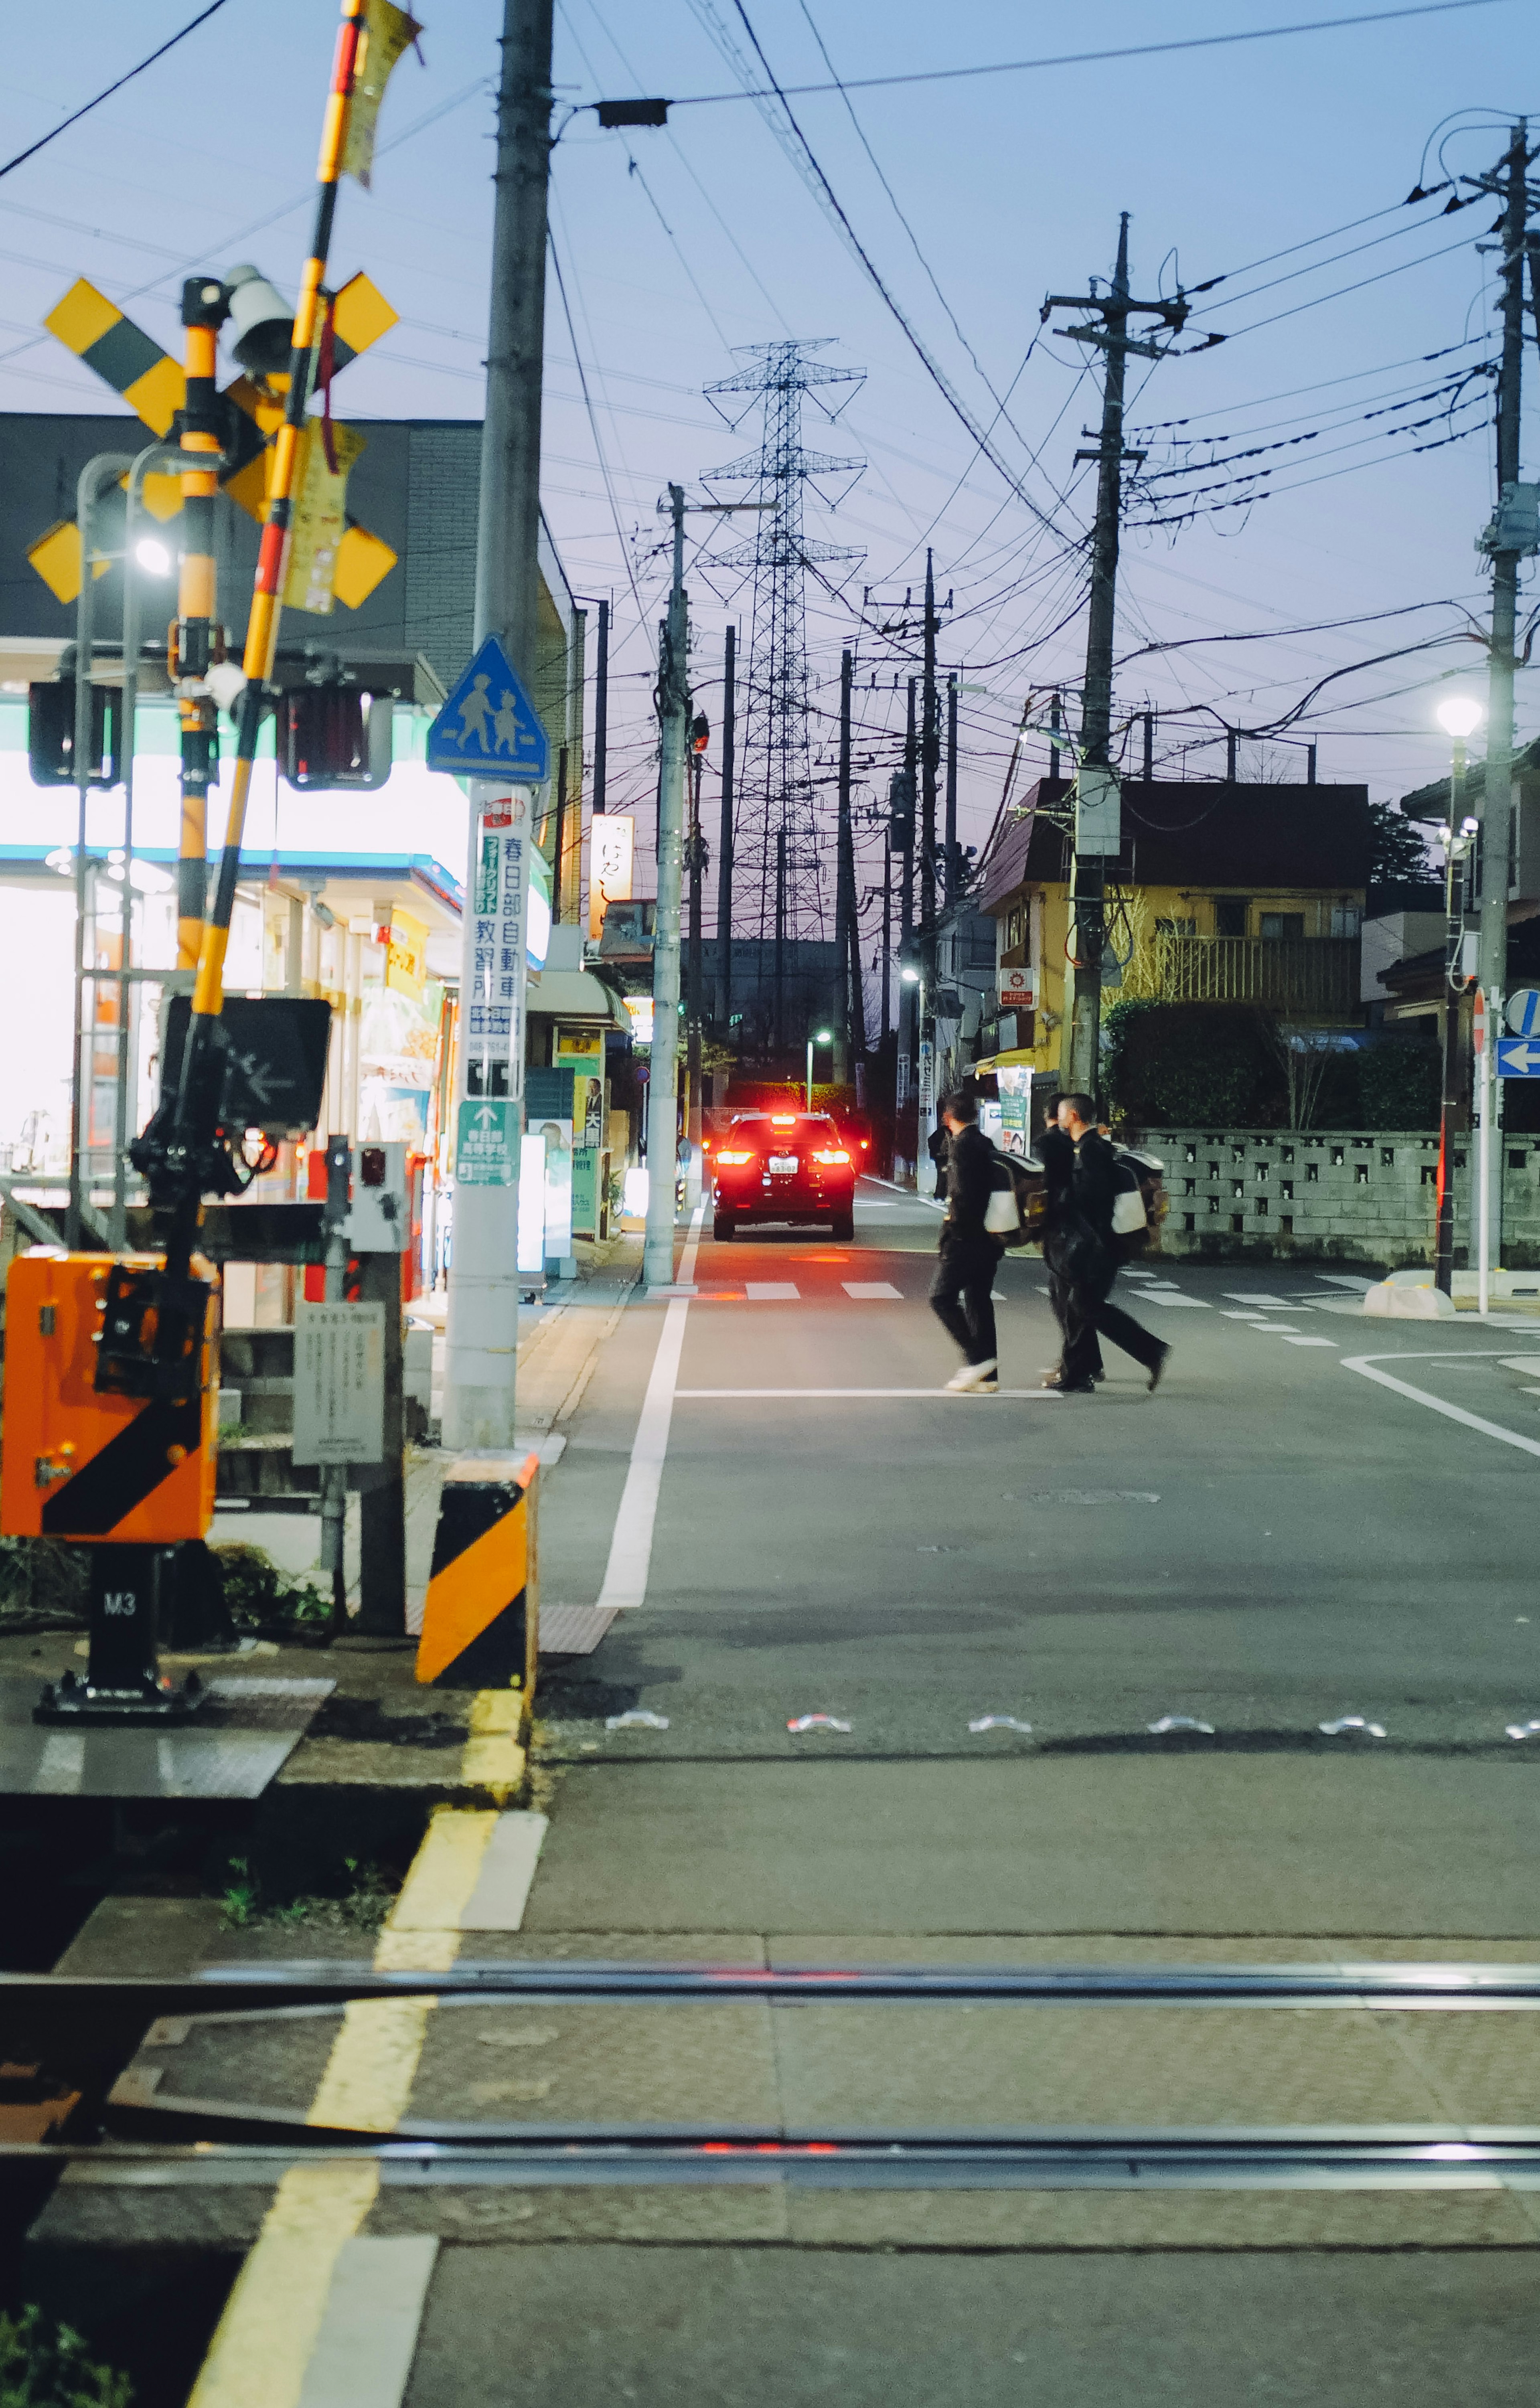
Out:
{"x": 973, "y": 1376}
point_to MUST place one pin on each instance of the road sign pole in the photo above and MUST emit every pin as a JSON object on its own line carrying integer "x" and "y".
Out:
{"x": 1492, "y": 1021}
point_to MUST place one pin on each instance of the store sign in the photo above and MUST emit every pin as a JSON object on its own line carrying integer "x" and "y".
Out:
{"x": 638, "y": 1008}
{"x": 406, "y": 955}
{"x": 495, "y": 1006}
{"x": 1017, "y": 990}
{"x": 486, "y": 1131}
{"x": 610, "y": 855}
{"x": 339, "y": 1383}
{"x": 580, "y": 1048}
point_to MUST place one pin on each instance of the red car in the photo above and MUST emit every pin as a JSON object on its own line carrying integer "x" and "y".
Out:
{"x": 783, "y": 1167}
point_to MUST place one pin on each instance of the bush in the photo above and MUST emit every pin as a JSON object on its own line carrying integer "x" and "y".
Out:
{"x": 1189, "y": 1066}
{"x": 1399, "y": 1086}
{"x": 42, "y": 1585}
{"x": 267, "y": 1603}
{"x": 44, "y": 2365}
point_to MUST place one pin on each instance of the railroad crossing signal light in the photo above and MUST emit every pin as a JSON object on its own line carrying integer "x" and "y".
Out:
{"x": 334, "y": 737}
{"x": 51, "y": 734}
{"x": 263, "y": 320}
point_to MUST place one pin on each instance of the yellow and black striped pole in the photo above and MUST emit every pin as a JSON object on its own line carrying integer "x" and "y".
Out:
{"x": 197, "y": 1094}
{"x": 204, "y": 307}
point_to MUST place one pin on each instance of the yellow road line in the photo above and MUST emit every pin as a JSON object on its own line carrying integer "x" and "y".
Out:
{"x": 493, "y": 1759}
{"x": 274, "y": 2316}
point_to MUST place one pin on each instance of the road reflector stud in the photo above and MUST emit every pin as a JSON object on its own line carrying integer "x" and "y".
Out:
{"x": 480, "y": 1618}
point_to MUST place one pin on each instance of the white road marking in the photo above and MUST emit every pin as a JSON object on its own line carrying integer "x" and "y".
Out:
{"x": 1252, "y": 1320}
{"x": 1364, "y": 1365}
{"x": 932, "y": 1396}
{"x": 1237, "y": 1295}
{"x": 1521, "y": 1362}
{"x": 1344, "y": 1279}
{"x": 632, "y": 1540}
{"x": 508, "y": 1868}
{"x": 930, "y": 1203}
{"x": 1161, "y": 1295}
{"x": 1280, "y": 1328}
{"x": 1291, "y": 1340}
{"x": 362, "y": 2353}
{"x": 771, "y": 1291}
{"x": 871, "y": 1291}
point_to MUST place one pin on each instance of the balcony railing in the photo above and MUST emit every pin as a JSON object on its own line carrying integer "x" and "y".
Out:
{"x": 1303, "y": 977}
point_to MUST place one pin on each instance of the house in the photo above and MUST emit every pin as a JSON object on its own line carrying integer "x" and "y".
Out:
{"x": 1222, "y": 893}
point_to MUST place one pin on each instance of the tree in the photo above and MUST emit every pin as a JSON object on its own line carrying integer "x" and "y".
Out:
{"x": 1398, "y": 849}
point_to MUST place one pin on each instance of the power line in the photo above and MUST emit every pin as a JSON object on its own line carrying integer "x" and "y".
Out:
{"x": 1082, "y": 58}
{"x": 1291, "y": 393}
{"x": 593, "y": 423}
{"x": 65, "y": 124}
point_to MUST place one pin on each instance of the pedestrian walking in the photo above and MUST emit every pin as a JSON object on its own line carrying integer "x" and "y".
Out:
{"x": 1055, "y": 1151}
{"x": 936, "y": 1146}
{"x": 962, "y": 1290}
{"x": 1083, "y": 1256}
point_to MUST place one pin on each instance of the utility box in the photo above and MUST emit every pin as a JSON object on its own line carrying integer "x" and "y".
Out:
{"x": 379, "y": 1214}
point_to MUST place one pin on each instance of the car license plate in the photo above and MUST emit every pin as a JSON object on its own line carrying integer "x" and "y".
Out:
{"x": 782, "y": 1162}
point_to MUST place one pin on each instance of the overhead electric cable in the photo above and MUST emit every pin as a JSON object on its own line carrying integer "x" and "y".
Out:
{"x": 1086, "y": 58}
{"x": 74, "y": 117}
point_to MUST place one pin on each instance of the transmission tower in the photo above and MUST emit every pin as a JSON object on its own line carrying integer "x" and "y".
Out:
{"x": 783, "y": 841}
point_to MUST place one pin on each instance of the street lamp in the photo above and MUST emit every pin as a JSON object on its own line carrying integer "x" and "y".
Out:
{"x": 1457, "y": 714}
{"x": 818, "y": 1036}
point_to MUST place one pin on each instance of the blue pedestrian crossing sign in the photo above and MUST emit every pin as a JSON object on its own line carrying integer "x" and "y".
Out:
{"x": 489, "y": 727}
{"x": 1519, "y": 1058}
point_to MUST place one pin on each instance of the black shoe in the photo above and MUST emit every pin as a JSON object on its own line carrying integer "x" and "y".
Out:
{"x": 1063, "y": 1387}
{"x": 1158, "y": 1368}
{"x": 1098, "y": 1375}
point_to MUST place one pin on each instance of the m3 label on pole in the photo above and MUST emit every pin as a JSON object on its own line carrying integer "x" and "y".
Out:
{"x": 489, "y": 727}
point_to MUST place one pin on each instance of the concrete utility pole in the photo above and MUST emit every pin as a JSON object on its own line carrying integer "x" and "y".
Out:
{"x": 1096, "y": 817}
{"x": 697, "y": 857}
{"x": 483, "y": 1279}
{"x": 952, "y": 884}
{"x": 847, "y": 968}
{"x": 1508, "y": 537}
{"x": 930, "y": 765}
{"x": 662, "y": 1103}
{"x": 724, "y": 842}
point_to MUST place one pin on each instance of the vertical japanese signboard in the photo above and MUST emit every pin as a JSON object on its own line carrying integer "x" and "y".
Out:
{"x": 495, "y": 1007}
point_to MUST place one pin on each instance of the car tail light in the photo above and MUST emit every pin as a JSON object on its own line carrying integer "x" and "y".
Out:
{"x": 782, "y": 1120}
{"x": 726, "y": 1157}
{"x": 833, "y": 1155}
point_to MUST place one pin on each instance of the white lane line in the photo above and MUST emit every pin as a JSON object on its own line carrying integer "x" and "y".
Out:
{"x": 930, "y": 1203}
{"x": 1364, "y": 1365}
{"x": 771, "y": 1291}
{"x": 952, "y": 1397}
{"x": 631, "y": 1541}
{"x": 367, "y": 2339}
{"x": 1238, "y": 1295}
{"x": 1278, "y": 1328}
{"x": 1252, "y": 1320}
{"x": 1343, "y": 1279}
{"x": 1291, "y": 1340}
{"x": 1160, "y": 1296}
{"x": 508, "y": 1869}
{"x": 872, "y": 1291}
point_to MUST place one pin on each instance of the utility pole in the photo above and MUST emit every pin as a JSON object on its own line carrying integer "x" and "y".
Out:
{"x": 954, "y": 860}
{"x": 724, "y": 842}
{"x": 1510, "y": 534}
{"x": 1097, "y": 818}
{"x": 930, "y": 765}
{"x": 662, "y": 1096}
{"x": 887, "y": 941}
{"x": 845, "y": 965}
{"x": 481, "y": 1353}
{"x": 908, "y": 996}
{"x": 602, "y": 712}
{"x": 696, "y": 862}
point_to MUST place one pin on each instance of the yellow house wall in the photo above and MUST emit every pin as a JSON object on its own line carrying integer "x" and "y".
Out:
{"x": 1046, "y": 916}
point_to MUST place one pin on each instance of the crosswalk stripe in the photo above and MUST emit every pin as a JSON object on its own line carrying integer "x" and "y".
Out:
{"x": 866, "y": 1291}
{"x": 771, "y": 1291}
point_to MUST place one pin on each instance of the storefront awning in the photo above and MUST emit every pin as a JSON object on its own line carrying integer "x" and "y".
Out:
{"x": 575, "y": 995}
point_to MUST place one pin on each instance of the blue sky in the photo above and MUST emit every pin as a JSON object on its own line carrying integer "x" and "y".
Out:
{"x": 681, "y": 244}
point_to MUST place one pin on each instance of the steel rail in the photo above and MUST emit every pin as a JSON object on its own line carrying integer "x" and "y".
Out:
{"x": 273, "y": 1986}
{"x": 1357, "y": 2157}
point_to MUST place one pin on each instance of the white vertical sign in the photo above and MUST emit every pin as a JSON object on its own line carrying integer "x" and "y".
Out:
{"x": 339, "y": 1383}
{"x": 500, "y": 906}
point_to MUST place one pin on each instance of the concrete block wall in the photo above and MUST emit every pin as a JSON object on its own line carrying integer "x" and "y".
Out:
{"x": 1332, "y": 1195}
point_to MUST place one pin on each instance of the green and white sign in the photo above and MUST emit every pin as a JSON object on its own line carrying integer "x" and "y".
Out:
{"x": 486, "y": 1132}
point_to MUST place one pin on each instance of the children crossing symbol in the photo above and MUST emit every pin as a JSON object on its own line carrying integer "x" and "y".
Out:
{"x": 489, "y": 727}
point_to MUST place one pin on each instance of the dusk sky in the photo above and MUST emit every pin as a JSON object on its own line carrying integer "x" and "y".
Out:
{"x": 1280, "y": 165}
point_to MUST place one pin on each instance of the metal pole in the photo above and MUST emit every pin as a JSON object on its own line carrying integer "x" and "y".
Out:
{"x": 483, "y": 1282}
{"x": 724, "y": 842}
{"x": 1484, "y": 1084}
{"x": 953, "y": 887}
{"x": 809, "y": 1075}
{"x": 560, "y": 838}
{"x": 662, "y": 1103}
{"x": 1451, "y": 1103}
{"x": 1496, "y": 811}
{"x": 97, "y": 474}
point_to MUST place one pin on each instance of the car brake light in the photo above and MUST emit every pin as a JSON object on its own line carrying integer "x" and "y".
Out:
{"x": 782, "y": 1120}
{"x": 839, "y": 1156}
{"x": 726, "y": 1157}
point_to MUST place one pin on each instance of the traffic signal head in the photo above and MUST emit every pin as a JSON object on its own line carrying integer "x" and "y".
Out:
{"x": 51, "y": 734}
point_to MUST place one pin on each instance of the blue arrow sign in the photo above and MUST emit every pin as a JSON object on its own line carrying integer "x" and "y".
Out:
{"x": 489, "y": 727}
{"x": 1519, "y": 1058}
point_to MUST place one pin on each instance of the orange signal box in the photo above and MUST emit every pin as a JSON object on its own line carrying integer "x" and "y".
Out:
{"x": 77, "y": 1464}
